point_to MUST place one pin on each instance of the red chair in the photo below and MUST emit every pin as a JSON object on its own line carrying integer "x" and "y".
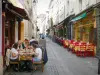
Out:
{"x": 75, "y": 44}
{"x": 90, "y": 50}
{"x": 82, "y": 51}
{"x": 83, "y": 43}
{"x": 65, "y": 45}
{"x": 71, "y": 42}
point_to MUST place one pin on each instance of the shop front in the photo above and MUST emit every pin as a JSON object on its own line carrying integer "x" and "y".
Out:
{"x": 59, "y": 32}
{"x": 68, "y": 27}
{"x": 85, "y": 27}
{"x": 85, "y": 31}
{"x": 12, "y": 27}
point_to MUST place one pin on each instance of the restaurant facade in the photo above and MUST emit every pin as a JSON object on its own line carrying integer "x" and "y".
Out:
{"x": 12, "y": 28}
{"x": 86, "y": 27}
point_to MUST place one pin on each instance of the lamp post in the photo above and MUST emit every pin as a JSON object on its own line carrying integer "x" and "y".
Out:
{"x": 34, "y": 2}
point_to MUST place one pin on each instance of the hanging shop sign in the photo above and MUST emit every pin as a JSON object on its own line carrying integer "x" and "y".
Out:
{"x": 79, "y": 17}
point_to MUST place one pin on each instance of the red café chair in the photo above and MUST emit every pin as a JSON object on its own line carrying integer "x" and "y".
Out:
{"x": 71, "y": 42}
{"x": 65, "y": 43}
{"x": 75, "y": 45}
{"x": 82, "y": 49}
{"x": 90, "y": 50}
{"x": 77, "y": 48}
{"x": 83, "y": 43}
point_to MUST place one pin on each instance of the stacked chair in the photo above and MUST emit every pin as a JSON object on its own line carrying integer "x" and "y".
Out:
{"x": 81, "y": 49}
{"x": 91, "y": 50}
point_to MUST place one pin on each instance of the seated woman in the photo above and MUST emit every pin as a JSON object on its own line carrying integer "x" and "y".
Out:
{"x": 37, "y": 53}
{"x": 21, "y": 45}
{"x": 14, "y": 56}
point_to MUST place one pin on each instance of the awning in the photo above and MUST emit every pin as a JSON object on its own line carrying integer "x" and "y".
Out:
{"x": 79, "y": 17}
{"x": 16, "y": 3}
{"x": 17, "y": 9}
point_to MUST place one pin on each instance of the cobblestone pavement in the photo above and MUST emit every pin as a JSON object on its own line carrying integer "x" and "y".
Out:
{"x": 62, "y": 62}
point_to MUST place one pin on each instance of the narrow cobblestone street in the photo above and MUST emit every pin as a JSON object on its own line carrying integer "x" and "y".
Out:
{"x": 62, "y": 62}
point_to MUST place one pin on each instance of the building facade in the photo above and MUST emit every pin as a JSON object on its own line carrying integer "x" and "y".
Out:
{"x": 59, "y": 10}
{"x": 84, "y": 18}
{"x": 41, "y": 23}
{"x": 30, "y": 25}
{"x": 16, "y": 14}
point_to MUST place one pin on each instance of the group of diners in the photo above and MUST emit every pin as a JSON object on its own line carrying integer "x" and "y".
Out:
{"x": 25, "y": 53}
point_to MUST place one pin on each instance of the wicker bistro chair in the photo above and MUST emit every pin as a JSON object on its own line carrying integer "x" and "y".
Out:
{"x": 14, "y": 62}
{"x": 8, "y": 62}
{"x": 41, "y": 62}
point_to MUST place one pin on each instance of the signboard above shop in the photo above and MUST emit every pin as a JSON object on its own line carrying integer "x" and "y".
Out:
{"x": 79, "y": 17}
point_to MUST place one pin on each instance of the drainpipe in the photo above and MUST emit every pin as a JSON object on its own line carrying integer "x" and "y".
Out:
{"x": 2, "y": 41}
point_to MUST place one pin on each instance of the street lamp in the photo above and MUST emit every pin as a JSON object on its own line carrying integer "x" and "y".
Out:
{"x": 34, "y": 2}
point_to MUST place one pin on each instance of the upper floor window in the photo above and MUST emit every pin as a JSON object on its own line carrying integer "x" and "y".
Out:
{"x": 80, "y": 5}
{"x": 68, "y": 2}
{"x": 87, "y": 3}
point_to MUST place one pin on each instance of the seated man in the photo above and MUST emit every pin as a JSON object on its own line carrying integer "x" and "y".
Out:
{"x": 37, "y": 53}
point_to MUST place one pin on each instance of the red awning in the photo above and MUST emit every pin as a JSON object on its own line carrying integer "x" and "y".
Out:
{"x": 21, "y": 12}
{"x": 17, "y": 11}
